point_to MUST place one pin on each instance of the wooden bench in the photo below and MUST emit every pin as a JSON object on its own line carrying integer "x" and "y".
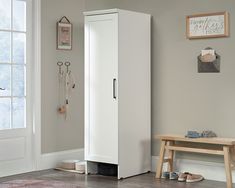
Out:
{"x": 172, "y": 143}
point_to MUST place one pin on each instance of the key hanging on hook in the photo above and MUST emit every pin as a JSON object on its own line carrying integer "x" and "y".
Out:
{"x": 60, "y": 64}
{"x": 67, "y": 64}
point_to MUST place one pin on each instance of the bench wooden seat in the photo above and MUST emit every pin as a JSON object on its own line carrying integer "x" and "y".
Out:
{"x": 215, "y": 140}
{"x": 172, "y": 143}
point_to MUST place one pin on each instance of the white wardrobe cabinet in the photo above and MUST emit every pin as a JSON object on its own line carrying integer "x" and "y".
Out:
{"x": 117, "y": 91}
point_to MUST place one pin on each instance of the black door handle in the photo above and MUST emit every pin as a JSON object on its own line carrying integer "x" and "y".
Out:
{"x": 114, "y": 88}
{"x": 2, "y": 88}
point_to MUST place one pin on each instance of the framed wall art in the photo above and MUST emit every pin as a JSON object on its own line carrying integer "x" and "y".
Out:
{"x": 210, "y": 25}
{"x": 64, "y": 34}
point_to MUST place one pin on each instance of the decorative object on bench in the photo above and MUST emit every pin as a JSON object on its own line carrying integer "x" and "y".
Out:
{"x": 204, "y": 134}
{"x": 208, "y": 134}
{"x": 210, "y": 25}
{"x": 208, "y": 61}
{"x": 193, "y": 134}
{"x": 172, "y": 143}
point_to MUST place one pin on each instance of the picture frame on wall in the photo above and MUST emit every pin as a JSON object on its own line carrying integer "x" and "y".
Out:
{"x": 64, "y": 34}
{"x": 211, "y": 25}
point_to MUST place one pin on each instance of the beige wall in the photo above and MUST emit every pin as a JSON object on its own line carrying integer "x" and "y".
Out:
{"x": 182, "y": 99}
{"x": 58, "y": 134}
{"x": 100, "y": 4}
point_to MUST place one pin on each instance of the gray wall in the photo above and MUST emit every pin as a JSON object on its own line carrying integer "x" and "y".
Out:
{"x": 100, "y": 4}
{"x": 182, "y": 99}
{"x": 58, "y": 134}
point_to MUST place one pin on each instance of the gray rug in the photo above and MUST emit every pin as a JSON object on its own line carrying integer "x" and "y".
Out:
{"x": 36, "y": 184}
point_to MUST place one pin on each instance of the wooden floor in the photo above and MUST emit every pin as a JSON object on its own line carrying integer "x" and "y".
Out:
{"x": 94, "y": 181}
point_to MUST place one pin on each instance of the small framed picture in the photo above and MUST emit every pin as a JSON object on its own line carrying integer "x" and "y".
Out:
{"x": 211, "y": 25}
{"x": 64, "y": 35}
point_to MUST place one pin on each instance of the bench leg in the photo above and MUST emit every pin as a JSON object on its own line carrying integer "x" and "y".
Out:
{"x": 171, "y": 158}
{"x": 227, "y": 163}
{"x": 161, "y": 159}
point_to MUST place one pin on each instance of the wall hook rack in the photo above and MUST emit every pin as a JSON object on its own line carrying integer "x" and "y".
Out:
{"x": 66, "y": 85}
{"x": 208, "y": 61}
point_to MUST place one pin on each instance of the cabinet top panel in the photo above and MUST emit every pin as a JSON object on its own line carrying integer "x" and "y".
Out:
{"x": 96, "y": 12}
{"x": 108, "y": 11}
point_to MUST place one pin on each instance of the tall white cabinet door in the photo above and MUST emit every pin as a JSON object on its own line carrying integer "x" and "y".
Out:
{"x": 101, "y": 77}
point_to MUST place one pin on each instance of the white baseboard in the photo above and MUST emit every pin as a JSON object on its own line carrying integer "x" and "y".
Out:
{"x": 51, "y": 160}
{"x": 209, "y": 170}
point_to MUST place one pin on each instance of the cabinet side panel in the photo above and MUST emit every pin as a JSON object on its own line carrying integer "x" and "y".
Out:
{"x": 134, "y": 106}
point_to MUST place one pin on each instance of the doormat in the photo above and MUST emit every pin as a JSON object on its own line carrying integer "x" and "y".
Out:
{"x": 36, "y": 184}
